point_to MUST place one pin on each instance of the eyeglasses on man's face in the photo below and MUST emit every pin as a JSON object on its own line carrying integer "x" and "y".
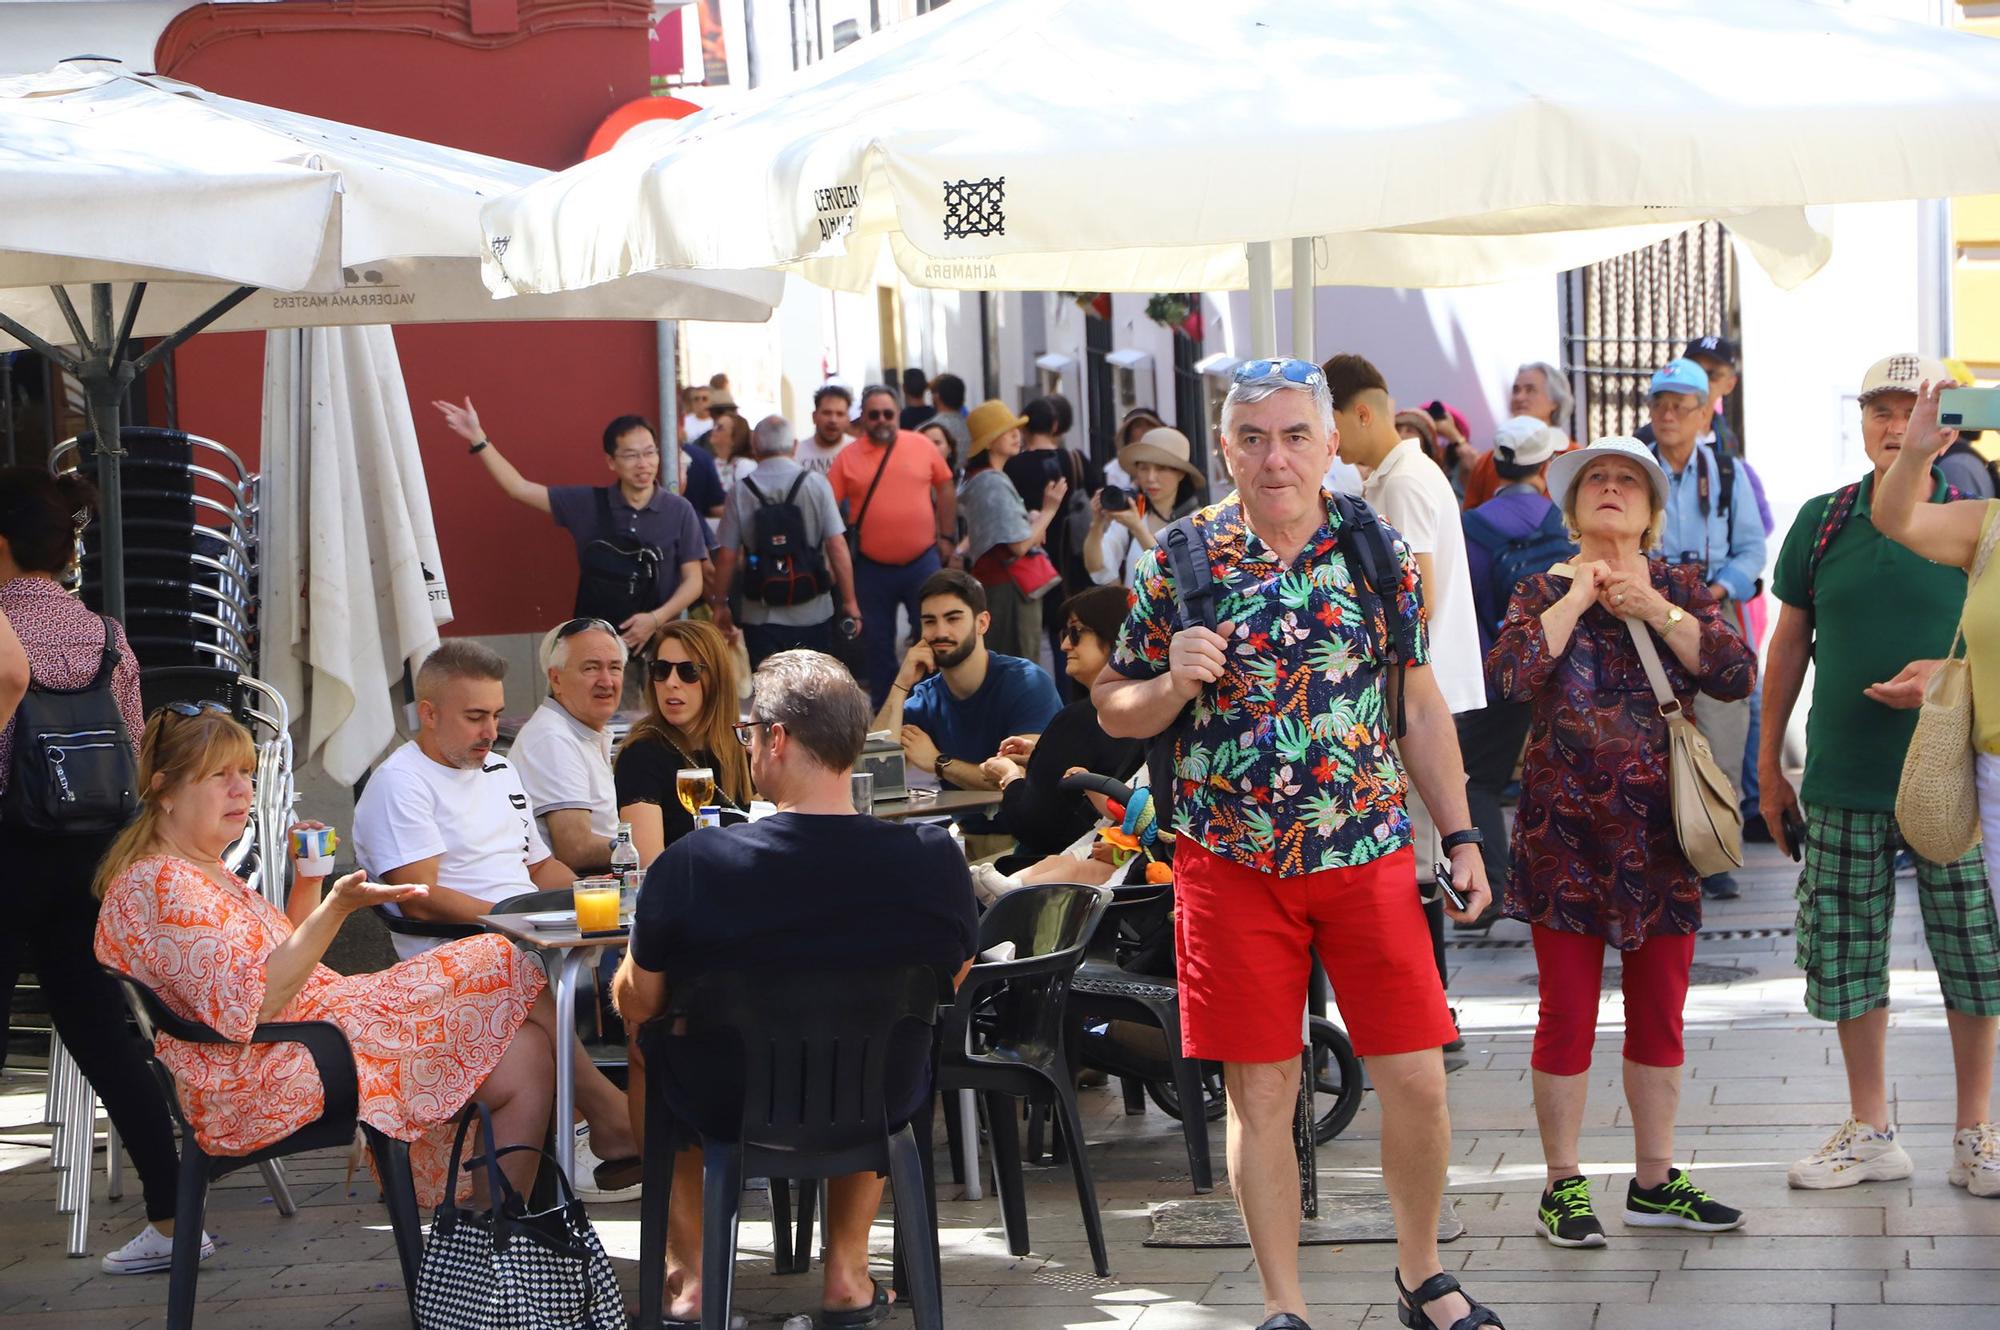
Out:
{"x": 745, "y": 728}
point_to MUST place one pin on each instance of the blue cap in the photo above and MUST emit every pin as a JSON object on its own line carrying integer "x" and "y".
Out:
{"x": 1680, "y": 376}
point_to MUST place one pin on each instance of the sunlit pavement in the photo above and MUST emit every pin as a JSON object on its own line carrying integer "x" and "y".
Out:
{"x": 1763, "y": 1087}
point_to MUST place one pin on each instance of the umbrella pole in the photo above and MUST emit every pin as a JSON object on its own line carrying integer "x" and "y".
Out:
{"x": 1302, "y": 299}
{"x": 106, "y": 376}
{"x": 1263, "y": 301}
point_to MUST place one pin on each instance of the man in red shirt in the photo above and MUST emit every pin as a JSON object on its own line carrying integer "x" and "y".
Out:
{"x": 902, "y": 516}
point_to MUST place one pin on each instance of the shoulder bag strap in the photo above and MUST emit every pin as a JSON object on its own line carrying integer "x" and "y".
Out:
{"x": 109, "y": 661}
{"x": 1656, "y": 673}
{"x": 869, "y": 497}
{"x": 1989, "y": 538}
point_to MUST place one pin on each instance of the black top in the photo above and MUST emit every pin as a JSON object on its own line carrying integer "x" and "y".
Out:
{"x": 915, "y": 416}
{"x": 804, "y": 891}
{"x": 1045, "y": 819}
{"x": 1031, "y": 473}
{"x": 644, "y": 774}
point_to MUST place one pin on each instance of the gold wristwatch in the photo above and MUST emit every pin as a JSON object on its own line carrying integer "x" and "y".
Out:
{"x": 1674, "y": 616}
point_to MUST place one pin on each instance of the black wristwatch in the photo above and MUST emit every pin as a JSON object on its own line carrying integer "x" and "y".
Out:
{"x": 479, "y": 447}
{"x": 1470, "y": 836}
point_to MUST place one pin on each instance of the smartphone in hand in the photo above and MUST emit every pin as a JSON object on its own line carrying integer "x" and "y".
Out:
{"x": 1452, "y": 895}
{"x": 1794, "y": 828}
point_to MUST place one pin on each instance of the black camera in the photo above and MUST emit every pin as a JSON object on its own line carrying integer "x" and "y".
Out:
{"x": 1113, "y": 499}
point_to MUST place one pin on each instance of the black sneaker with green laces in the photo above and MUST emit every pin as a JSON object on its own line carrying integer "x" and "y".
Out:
{"x": 1678, "y": 1203}
{"x": 1567, "y": 1217}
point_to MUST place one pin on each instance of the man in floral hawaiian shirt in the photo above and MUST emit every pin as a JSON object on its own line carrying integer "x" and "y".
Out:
{"x": 1294, "y": 839}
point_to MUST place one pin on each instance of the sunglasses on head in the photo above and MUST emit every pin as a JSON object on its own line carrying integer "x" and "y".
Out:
{"x": 660, "y": 671}
{"x": 1302, "y": 372}
{"x": 193, "y": 709}
{"x": 575, "y": 626}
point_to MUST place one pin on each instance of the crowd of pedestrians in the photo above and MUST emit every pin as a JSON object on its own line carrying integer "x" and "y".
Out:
{"x": 1331, "y": 694}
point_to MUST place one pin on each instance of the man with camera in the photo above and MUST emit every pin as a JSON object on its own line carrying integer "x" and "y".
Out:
{"x": 784, "y": 524}
{"x": 1294, "y": 839}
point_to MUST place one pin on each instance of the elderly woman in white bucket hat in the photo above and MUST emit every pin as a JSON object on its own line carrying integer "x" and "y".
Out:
{"x": 1168, "y": 486}
{"x": 1596, "y": 859}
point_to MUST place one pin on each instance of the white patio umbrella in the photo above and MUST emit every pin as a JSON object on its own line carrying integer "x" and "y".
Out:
{"x": 1160, "y": 145}
{"x": 182, "y": 210}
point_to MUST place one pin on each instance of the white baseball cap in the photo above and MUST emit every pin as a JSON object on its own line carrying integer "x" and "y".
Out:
{"x": 1526, "y": 441}
{"x": 1903, "y": 372}
{"x": 1565, "y": 469}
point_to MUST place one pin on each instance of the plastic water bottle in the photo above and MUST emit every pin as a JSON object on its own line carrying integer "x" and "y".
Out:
{"x": 625, "y": 859}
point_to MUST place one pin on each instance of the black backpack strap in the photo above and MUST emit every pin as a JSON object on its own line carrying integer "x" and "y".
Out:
{"x": 1725, "y": 471}
{"x": 792, "y": 494}
{"x": 1194, "y": 579}
{"x": 109, "y": 662}
{"x": 751, "y": 485}
{"x": 1366, "y": 544}
{"x": 603, "y": 493}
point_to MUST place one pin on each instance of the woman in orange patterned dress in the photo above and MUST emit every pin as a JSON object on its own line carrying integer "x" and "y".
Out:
{"x": 466, "y": 1021}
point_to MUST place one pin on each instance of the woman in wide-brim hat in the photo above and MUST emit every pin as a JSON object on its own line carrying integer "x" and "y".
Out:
{"x": 1168, "y": 486}
{"x": 998, "y": 524}
{"x": 1596, "y": 861}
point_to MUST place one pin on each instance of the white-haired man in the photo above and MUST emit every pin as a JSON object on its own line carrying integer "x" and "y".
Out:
{"x": 1293, "y": 834}
{"x": 1539, "y": 390}
{"x": 782, "y": 526}
{"x": 563, "y": 752}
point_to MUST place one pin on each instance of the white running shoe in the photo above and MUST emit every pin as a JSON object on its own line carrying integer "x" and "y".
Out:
{"x": 151, "y": 1251}
{"x": 1975, "y": 1160}
{"x": 1856, "y": 1153}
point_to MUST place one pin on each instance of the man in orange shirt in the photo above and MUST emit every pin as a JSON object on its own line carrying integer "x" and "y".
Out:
{"x": 902, "y": 518}
{"x": 1540, "y": 390}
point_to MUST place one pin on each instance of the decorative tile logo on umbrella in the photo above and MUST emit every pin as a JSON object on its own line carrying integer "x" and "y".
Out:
{"x": 973, "y": 208}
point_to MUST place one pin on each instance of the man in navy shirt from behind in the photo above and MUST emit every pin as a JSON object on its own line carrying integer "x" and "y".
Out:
{"x": 953, "y": 701}
{"x": 812, "y": 887}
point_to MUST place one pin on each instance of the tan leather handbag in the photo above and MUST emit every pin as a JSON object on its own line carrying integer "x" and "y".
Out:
{"x": 1937, "y": 806}
{"x": 1708, "y": 817}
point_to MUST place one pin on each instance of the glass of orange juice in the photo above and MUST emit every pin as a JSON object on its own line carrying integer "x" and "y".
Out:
{"x": 596, "y": 907}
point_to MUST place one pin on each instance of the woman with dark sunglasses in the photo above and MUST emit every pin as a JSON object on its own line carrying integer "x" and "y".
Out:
{"x": 52, "y": 914}
{"x": 690, "y": 708}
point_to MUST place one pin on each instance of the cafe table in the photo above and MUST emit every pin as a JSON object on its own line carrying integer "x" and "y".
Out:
{"x": 943, "y": 804}
{"x": 565, "y": 953}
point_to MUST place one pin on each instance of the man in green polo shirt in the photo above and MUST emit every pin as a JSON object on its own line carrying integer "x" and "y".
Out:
{"x": 1874, "y": 618}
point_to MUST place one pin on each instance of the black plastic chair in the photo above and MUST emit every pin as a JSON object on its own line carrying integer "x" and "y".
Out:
{"x": 1105, "y": 990}
{"x": 819, "y": 1058}
{"x": 1005, "y": 1037}
{"x": 334, "y": 1128}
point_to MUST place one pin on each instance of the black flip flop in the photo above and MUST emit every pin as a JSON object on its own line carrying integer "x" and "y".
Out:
{"x": 857, "y": 1318}
{"x": 1284, "y": 1321}
{"x": 618, "y": 1174}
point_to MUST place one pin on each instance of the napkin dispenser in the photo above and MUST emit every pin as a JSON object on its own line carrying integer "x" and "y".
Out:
{"x": 882, "y": 757}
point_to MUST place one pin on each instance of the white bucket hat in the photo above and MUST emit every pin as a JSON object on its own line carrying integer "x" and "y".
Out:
{"x": 1564, "y": 470}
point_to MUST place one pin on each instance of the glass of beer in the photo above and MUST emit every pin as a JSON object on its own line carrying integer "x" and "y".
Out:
{"x": 596, "y": 906}
{"x": 695, "y": 786}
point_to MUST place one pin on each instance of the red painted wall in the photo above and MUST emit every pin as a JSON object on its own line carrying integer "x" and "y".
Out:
{"x": 530, "y": 84}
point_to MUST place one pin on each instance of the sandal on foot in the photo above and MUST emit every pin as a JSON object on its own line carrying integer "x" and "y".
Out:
{"x": 856, "y": 1318}
{"x": 1410, "y": 1304}
{"x": 1283, "y": 1321}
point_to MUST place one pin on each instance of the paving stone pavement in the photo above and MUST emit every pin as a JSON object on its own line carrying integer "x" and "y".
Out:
{"x": 1763, "y": 1086}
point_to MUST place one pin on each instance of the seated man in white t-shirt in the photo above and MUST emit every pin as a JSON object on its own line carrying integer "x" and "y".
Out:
{"x": 563, "y": 753}
{"x": 443, "y": 811}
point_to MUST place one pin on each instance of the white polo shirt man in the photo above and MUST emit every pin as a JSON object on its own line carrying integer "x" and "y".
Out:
{"x": 564, "y": 763}
{"x": 477, "y": 821}
{"x": 1411, "y": 493}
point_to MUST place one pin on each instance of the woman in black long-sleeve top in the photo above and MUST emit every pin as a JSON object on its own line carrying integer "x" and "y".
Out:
{"x": 1043, "y": 818}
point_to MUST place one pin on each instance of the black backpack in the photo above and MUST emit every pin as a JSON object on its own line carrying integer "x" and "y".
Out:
{"x": 1364, "y": 544}
{"x": 782, "y": 566}
{"x": 1517, "y": 557}
{"x": 618, "y": 577}
{"x": 74, "y": 772}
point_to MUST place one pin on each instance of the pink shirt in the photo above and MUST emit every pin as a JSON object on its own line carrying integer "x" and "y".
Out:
{"x": 64, "y": 642}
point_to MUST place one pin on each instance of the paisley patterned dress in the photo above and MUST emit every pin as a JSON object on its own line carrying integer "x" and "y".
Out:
{"x": 1595, "y": 849}
{"x": 426, "y": 1033}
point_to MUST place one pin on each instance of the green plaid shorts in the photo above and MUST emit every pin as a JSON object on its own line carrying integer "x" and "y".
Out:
{"x": 1847, "y": 896}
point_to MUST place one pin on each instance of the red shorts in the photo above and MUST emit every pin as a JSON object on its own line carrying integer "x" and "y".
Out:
{"x": 1246, "y": 939}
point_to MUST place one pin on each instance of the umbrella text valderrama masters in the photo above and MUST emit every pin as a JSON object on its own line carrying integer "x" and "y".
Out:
{"x": 182, "y": 210}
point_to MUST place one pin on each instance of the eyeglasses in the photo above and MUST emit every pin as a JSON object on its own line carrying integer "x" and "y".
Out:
{"x": 575, "y": 626}
{"x": 650, "y": 455}
{"x": 193, "y": 709}
{"x": 744, "y": 728}
{"x": 889, "y": 414}
{"x": 1071, "y": 633}
{"x": 659, "y": 671}
{"x": 1302, "y": 372}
